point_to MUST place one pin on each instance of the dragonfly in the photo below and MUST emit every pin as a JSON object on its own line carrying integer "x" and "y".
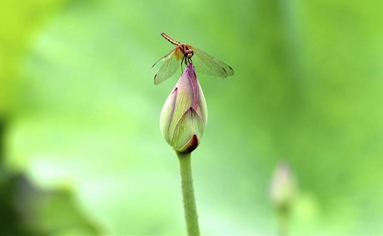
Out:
{"x": 186, "y": 54}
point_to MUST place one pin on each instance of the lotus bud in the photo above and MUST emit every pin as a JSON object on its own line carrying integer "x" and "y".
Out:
{"x": 184, "y": 115}
{"x": 283, "y": 187}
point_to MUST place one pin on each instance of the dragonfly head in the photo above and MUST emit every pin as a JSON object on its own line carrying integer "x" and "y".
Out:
{"x": 188, "y": 54}
{"x": 187, "y": 51}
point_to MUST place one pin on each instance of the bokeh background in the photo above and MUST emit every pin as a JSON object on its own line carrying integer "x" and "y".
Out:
{"x": 81, "y": 151}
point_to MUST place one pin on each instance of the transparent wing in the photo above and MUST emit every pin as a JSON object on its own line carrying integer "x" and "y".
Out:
{"x": 207, "y": 64}
{"x": 167, "y": 69}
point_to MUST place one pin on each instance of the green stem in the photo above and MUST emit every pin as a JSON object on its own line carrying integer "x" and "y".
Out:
{"x": 190, "y": 209}
{"x": 3, "y": 126}
{"x": 283, "y": 215}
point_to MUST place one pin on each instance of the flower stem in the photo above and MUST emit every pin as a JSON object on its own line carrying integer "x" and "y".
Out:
{"x": 190, "y": 209}
{"x": 283, "y": 214}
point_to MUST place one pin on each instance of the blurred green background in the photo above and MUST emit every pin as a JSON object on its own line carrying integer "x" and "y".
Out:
{"x": 79, "y": 116}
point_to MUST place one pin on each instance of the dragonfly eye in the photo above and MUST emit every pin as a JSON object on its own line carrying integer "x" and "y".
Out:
{"x": 189, "y": 53}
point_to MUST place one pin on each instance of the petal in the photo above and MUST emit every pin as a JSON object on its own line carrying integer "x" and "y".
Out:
{"x": 190, "y": 145}
{"x": 167, "y": 114}
{"x": 189, "y": 125}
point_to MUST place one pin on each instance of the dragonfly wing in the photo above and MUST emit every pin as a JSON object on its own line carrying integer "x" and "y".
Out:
{"x": 207, "y": 64}
{"x": 167, "y": 69}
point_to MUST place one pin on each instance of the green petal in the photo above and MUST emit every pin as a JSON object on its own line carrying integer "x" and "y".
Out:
{"x": 189, "y": 125}
{"x": 167, "y": 115}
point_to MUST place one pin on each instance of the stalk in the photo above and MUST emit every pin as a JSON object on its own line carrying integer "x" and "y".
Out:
{"x": 189, "y": 204}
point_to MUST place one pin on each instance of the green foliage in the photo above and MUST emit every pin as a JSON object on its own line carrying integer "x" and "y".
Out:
{"x": 20, "y": 20}
{"x": 307, "y": 88}
{"x": 28, "y": 210}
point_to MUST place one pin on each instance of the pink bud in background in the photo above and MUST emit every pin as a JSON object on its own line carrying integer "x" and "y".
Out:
{"x": 283, "y": 186}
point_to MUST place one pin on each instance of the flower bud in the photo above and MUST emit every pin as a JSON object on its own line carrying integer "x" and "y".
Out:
{"x": 283, "y": 187}
{"x": 184, "y": 115}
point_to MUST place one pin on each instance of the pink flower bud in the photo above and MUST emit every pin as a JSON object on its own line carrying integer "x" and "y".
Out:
{"x": 184, "y": 115}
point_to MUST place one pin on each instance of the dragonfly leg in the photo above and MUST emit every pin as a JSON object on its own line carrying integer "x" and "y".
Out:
{"x": 185, "y": 61}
